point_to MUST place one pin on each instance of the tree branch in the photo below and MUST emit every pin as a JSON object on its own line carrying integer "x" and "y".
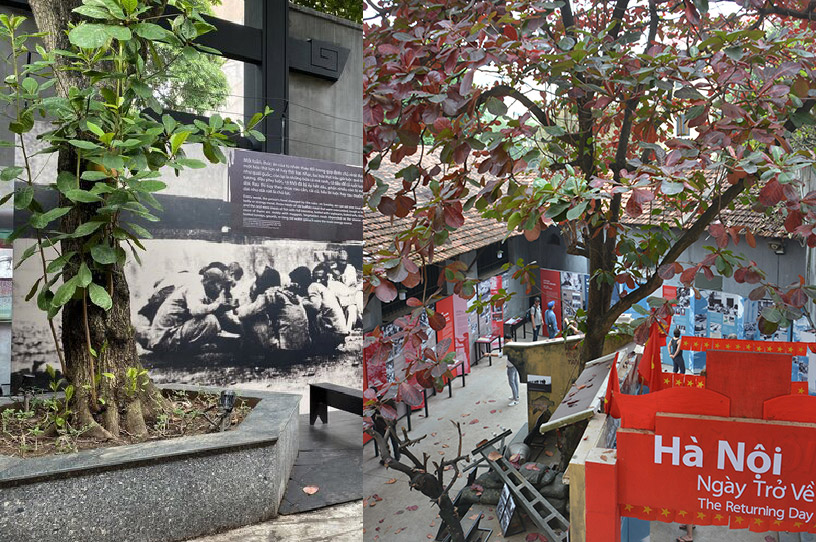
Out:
{"x": 688, "y": 238}
{"x": 538, "y": 113}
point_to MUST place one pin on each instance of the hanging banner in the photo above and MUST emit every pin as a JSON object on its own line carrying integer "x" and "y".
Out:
{"x": 461, "y": 332}
{"x": 551, "y": 291}
{"x": 496, "y": 313}
{"x": 445, "y": 308}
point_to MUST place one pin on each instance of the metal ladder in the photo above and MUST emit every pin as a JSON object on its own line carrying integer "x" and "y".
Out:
{"x": 537, "y": 507}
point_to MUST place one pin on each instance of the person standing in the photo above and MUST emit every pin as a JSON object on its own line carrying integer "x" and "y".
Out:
{"x": 512, "y": 377}
{"x": 676, "y": 354}
{"x": 550, "y": 320}
{"x": 535, "y": 317}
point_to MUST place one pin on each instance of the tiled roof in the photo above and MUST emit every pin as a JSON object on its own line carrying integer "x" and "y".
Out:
{"x": 379, "y": 230}
{"x": 761, "y": 224}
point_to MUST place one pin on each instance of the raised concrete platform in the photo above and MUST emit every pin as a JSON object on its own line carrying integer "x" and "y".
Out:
{"x": 160, "y": 491}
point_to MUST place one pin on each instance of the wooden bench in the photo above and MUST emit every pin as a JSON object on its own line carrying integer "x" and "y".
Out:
{"x": 325, "y": 395}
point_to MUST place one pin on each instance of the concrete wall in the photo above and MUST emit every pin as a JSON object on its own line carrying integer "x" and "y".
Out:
{"x": 326, "y": 118}
{"x": 558, "y": 358}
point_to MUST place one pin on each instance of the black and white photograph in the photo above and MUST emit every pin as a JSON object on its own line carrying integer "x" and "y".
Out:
{"x": 217, "y": 303}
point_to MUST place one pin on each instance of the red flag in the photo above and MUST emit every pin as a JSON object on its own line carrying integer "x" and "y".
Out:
{"x": 651, "y": 367}
{"x": 613, "y": 385}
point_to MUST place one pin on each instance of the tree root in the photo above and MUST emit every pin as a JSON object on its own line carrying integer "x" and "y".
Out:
{"x": 93, "y": 429}
{"x": 134, "y": 419}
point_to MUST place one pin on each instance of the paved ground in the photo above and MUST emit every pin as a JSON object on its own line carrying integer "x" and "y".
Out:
{"x": 393, "y": 513}
{"x": 341, "y": 523}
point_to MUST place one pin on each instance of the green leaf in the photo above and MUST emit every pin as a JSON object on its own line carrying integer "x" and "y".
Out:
{"x": 88, "y": 36}
{"x": 33, "y": 291}
{"x": 191, "y": 163}
{"x": 150, "y": 31}
{"x": 104, "y": 254}
{"x": 734, "y": 53}
{"x": 58, "y": 263}
{"x": 84, "y": 276}
{"x": 87, "y": 145}
{"x": 40, "y": 221}
{"x": 177, "y": 140}
{"x": 10, "y": 173}
{"x": 99, "y": 297}
{"x": 689, "y": 93}
{"x": 94, "y": 175}
{"x": 86, "y": 228}
{"x": 130, "y": 5}
{"x": 30, "y": 85}
{"x": 65, "y": 293}
{"x": 256, "y": 118}
{"x": 555, "y": 130}
{"x": 148, "y": 186}
{"x": 93, "y": 12}
{"x": 566, "y": 43}
{"x": 66, "y": 181}
{"x": 576, "y": 212}
{"x": 23, "y": 197}
{"x": 496, "y": 106}
{"x": 121, "y": 33}
{"x": 140, "y": 231}
{"x": 82, "y": 196}
{"x": 95, "y": 129}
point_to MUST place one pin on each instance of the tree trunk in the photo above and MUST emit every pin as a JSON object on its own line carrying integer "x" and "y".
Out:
{"x": 98, "y": 399}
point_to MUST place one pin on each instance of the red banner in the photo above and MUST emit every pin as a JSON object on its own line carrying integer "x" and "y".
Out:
{"x": 445, "y": 308}
{"x": 669, "y": 292}
{"x": 744, "y": 473}
{"x": 461, "y": 328}
{"x": 551, "y": 291}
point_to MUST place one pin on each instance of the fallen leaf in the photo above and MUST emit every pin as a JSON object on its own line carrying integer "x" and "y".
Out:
{"x": 494, "y": 456}
{"x": 398, "y": 512}
{"x": 311, "y": 490}
{"x": 391, "y": 481}
{"x": 493, "y": 411}
{"x": 474, "y": 517}
{"x": 398, "y": 531}
{"x": 515, "y": 458}
{"x": 477, "y": 488}
{"x": 531, "y": 466}
{"x": 412, "y": 508}
{"x": 548, "y": 453}
{"x": 474, "y": 420}
{"x": 481, "y": 443}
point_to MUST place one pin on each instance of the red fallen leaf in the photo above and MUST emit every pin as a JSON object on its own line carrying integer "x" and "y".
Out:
{"x": 494, "y": 456}
{"x": 311, "y": 490}
{"x": 515, "y": 458}
{"x": 376, "y": 497}
{"x": 474, "y": 420}
{"x": 548, "y": 453}
{"x": 398, "y": 512}
{"x": 412, "y": 508}
{"x": 477, "y": 488}
{"x": 493, "y": 411}
{"x": 391, "y": 481}
{"x": 531, "y": 466}
{"x": 474, "y": 517}
{"x": 481, "y": 443}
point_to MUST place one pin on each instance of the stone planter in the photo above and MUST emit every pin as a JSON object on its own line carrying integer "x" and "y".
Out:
{"x": 156, "y": 491}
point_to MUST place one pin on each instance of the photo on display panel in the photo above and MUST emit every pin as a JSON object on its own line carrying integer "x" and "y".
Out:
{"x": 229, "y": 294}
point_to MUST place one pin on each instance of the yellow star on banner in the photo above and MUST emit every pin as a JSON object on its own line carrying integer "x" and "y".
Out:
{"x": 747, "y": 347}
{"x": 666, "y": 381}
{"x": 757, "y": 521}
{"x": 664, "y": 512}
{"x": 790, "y": 349}
{"x": 800, "y": 390}
{"x": 797, "y": 524}
{"x": 700, "y": 515}
{"x": 801, "y": 351}
{"x": 647, "y": 509}
{"x": 739, "y": 520}
{"x": 628, "y": 507}
{"x": 769, "y": 348}
{"x": 700, "y": 384}
{"x": 689, "y": 383}
{"x": 696, "y": 344}
{"x": 778, "y": 348}
{"x": 705, "y": 344}
{"x": 682, "y": 513}
{"x": 777, "y": 523}
{"x": 718, "y": 517}
{"x": 728, "y": 346}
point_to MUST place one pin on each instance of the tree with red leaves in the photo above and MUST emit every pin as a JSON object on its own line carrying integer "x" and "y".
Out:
{"x": 562, "y": 113}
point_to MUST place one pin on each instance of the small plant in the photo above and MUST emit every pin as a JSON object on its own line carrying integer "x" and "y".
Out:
{"x": 136, "y": 380}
